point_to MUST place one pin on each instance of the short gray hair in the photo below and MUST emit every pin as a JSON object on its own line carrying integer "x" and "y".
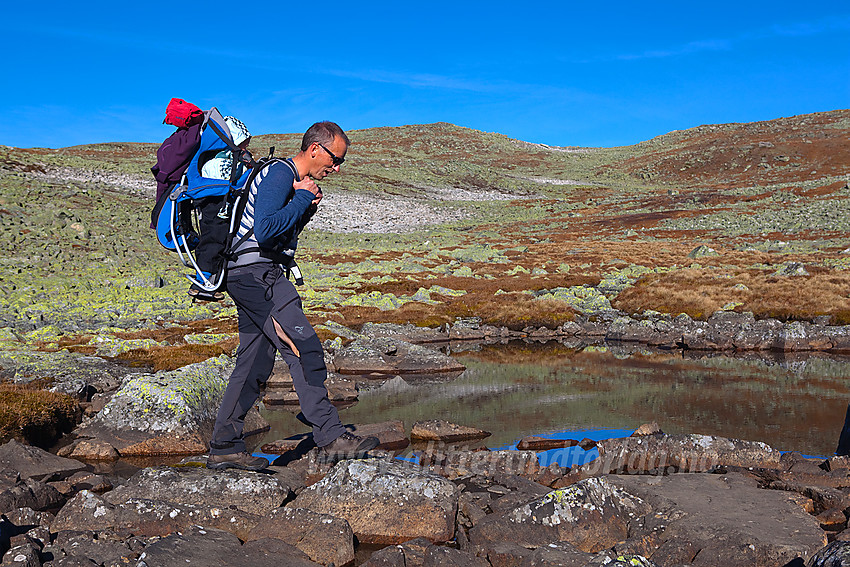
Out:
{"x": 323, "y": 133}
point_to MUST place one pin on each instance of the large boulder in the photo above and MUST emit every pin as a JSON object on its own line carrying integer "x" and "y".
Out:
{"x": 389, "y": 357}
{"x": 250, "y": 492}
{"x": 385, "y": 501}
{"x": 16, "y": 493}
{"x": 166, "y": 412}
{"x": 591, "y": 515}
{"x": 686, "y": 453}
{"x": 325, "y": 539}
{"x": 710, "y": 519}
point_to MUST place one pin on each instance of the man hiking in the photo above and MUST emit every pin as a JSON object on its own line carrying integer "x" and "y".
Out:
{"x": 280, "y": 201}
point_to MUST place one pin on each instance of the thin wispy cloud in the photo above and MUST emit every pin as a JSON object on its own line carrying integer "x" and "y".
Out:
{"x": 799, "y": 29}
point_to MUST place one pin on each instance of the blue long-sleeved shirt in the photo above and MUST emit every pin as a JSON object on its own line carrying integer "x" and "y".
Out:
{"x": 276, "y": 218}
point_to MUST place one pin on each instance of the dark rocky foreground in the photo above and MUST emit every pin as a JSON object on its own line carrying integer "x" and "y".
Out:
{"x": 664, "y": 500}
{"x": 650, "y": 499}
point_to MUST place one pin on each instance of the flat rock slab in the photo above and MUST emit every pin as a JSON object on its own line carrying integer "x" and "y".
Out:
{"x": 146, "y": 517}
{"x": 250, "y": 492}
{"x": 202, "y": 547}
{"x": 325, "y": 539}
{"x": 35, "y": 463}
{"x": 709, "y": 519}
{"x": 447, "y": 432}
{"x": 533, "y": 443}
{"x": 385, "y": 501}
{"x": 390, "y": 357}
{"x": 686, "y": 453}
{"x": 390, "y": 434}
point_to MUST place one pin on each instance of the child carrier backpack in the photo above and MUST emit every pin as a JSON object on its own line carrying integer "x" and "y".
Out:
{"x": 198, "y": 216}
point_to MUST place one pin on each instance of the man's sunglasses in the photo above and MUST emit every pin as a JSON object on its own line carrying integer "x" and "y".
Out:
{"x": 336, "y": 160}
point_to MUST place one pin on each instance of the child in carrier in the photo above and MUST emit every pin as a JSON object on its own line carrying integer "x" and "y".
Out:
{"x": 214, "y": 216}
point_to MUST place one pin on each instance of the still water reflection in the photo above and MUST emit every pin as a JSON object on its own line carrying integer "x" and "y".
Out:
{"x": 790, "y": 402}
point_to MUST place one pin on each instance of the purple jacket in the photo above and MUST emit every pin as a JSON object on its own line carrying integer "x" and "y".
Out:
{"x": 173, "y": 157}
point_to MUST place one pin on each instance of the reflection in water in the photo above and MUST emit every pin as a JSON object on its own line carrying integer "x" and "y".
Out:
{"x": 792, "y": 403}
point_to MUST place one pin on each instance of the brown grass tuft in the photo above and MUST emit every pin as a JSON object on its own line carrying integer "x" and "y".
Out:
{"x": 701, "y": 292}
{"x": 174, "y": 357}
{"x": 36, "y": 416}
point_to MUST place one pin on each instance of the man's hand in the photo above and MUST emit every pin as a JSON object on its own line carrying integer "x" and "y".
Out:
{"x": 307, "y": 184}
{"x": 318, "y": 198}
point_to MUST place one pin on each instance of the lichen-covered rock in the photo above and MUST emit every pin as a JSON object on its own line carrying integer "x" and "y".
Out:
{"x": 385, "y": 501}
{"x": 183, "y": 399}
{"x": 687, "y": 453}
{"x": 250, "y": 492}
{"x": 591, "y": 515}
{"x": 167, "y": 412}
{"x": 324, "y": 538}
{"x": 584, "y": 298}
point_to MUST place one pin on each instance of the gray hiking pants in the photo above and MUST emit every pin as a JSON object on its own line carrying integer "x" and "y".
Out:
{"x": 262, "y": 292}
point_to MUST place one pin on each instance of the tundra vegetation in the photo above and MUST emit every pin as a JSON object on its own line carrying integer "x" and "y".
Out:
{"x": 431, "y": 223}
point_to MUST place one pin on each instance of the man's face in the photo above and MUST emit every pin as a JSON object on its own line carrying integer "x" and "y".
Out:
{"x": 324, "y": 164}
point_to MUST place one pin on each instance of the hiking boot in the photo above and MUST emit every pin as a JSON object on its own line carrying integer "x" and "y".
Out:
{"x": 244, "y": 460}
{"x": 347, "y": 446}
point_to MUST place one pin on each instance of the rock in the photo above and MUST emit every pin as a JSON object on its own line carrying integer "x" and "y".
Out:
{"x": 28, "y": 518}
{"x": 29, "y": 493}
{"x": 206, "y": 546}
{"x": 720, "y": 520}
{"x": 325, "y": 539}
{"x": 508, "y": 555}
{"x": 686, "y": 453}
{"x": 453, "y": 463}
{"x": 702, "y": 251}
{"x": 392, "y": 357}
{"x": 87, "y": 546}
{"x": 88, "y": 450}
{"x": 658, "y": 332}
{"x": 385, "y": 501}
{"x": 544, "y": 444}
{"x": 390, "y": 434}
{"x": 800, "y": 336}
{"x": 70, "y": 373}
{"x": 172, "y": 444}
{"x": 591, "y": 515}
{"x": 35, "y": 463}
{"x": 439, "y": 430}
{"x": 648, "y": 429}
{"x": 145, "y": 517}
{"x": 438, "y": 556}
{"x": 25, "y": 555}
{"x": 171, "y": 406}
{"x": 408, "y": 554}
{"x": 832, "y": 520}
{"x": 250, "y": 492}
{"x": 409, "y": 333}
{"x": 558, "y": 553}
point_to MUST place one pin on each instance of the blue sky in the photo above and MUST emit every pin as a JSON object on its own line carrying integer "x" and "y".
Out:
{"x": 560, "y": 73}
